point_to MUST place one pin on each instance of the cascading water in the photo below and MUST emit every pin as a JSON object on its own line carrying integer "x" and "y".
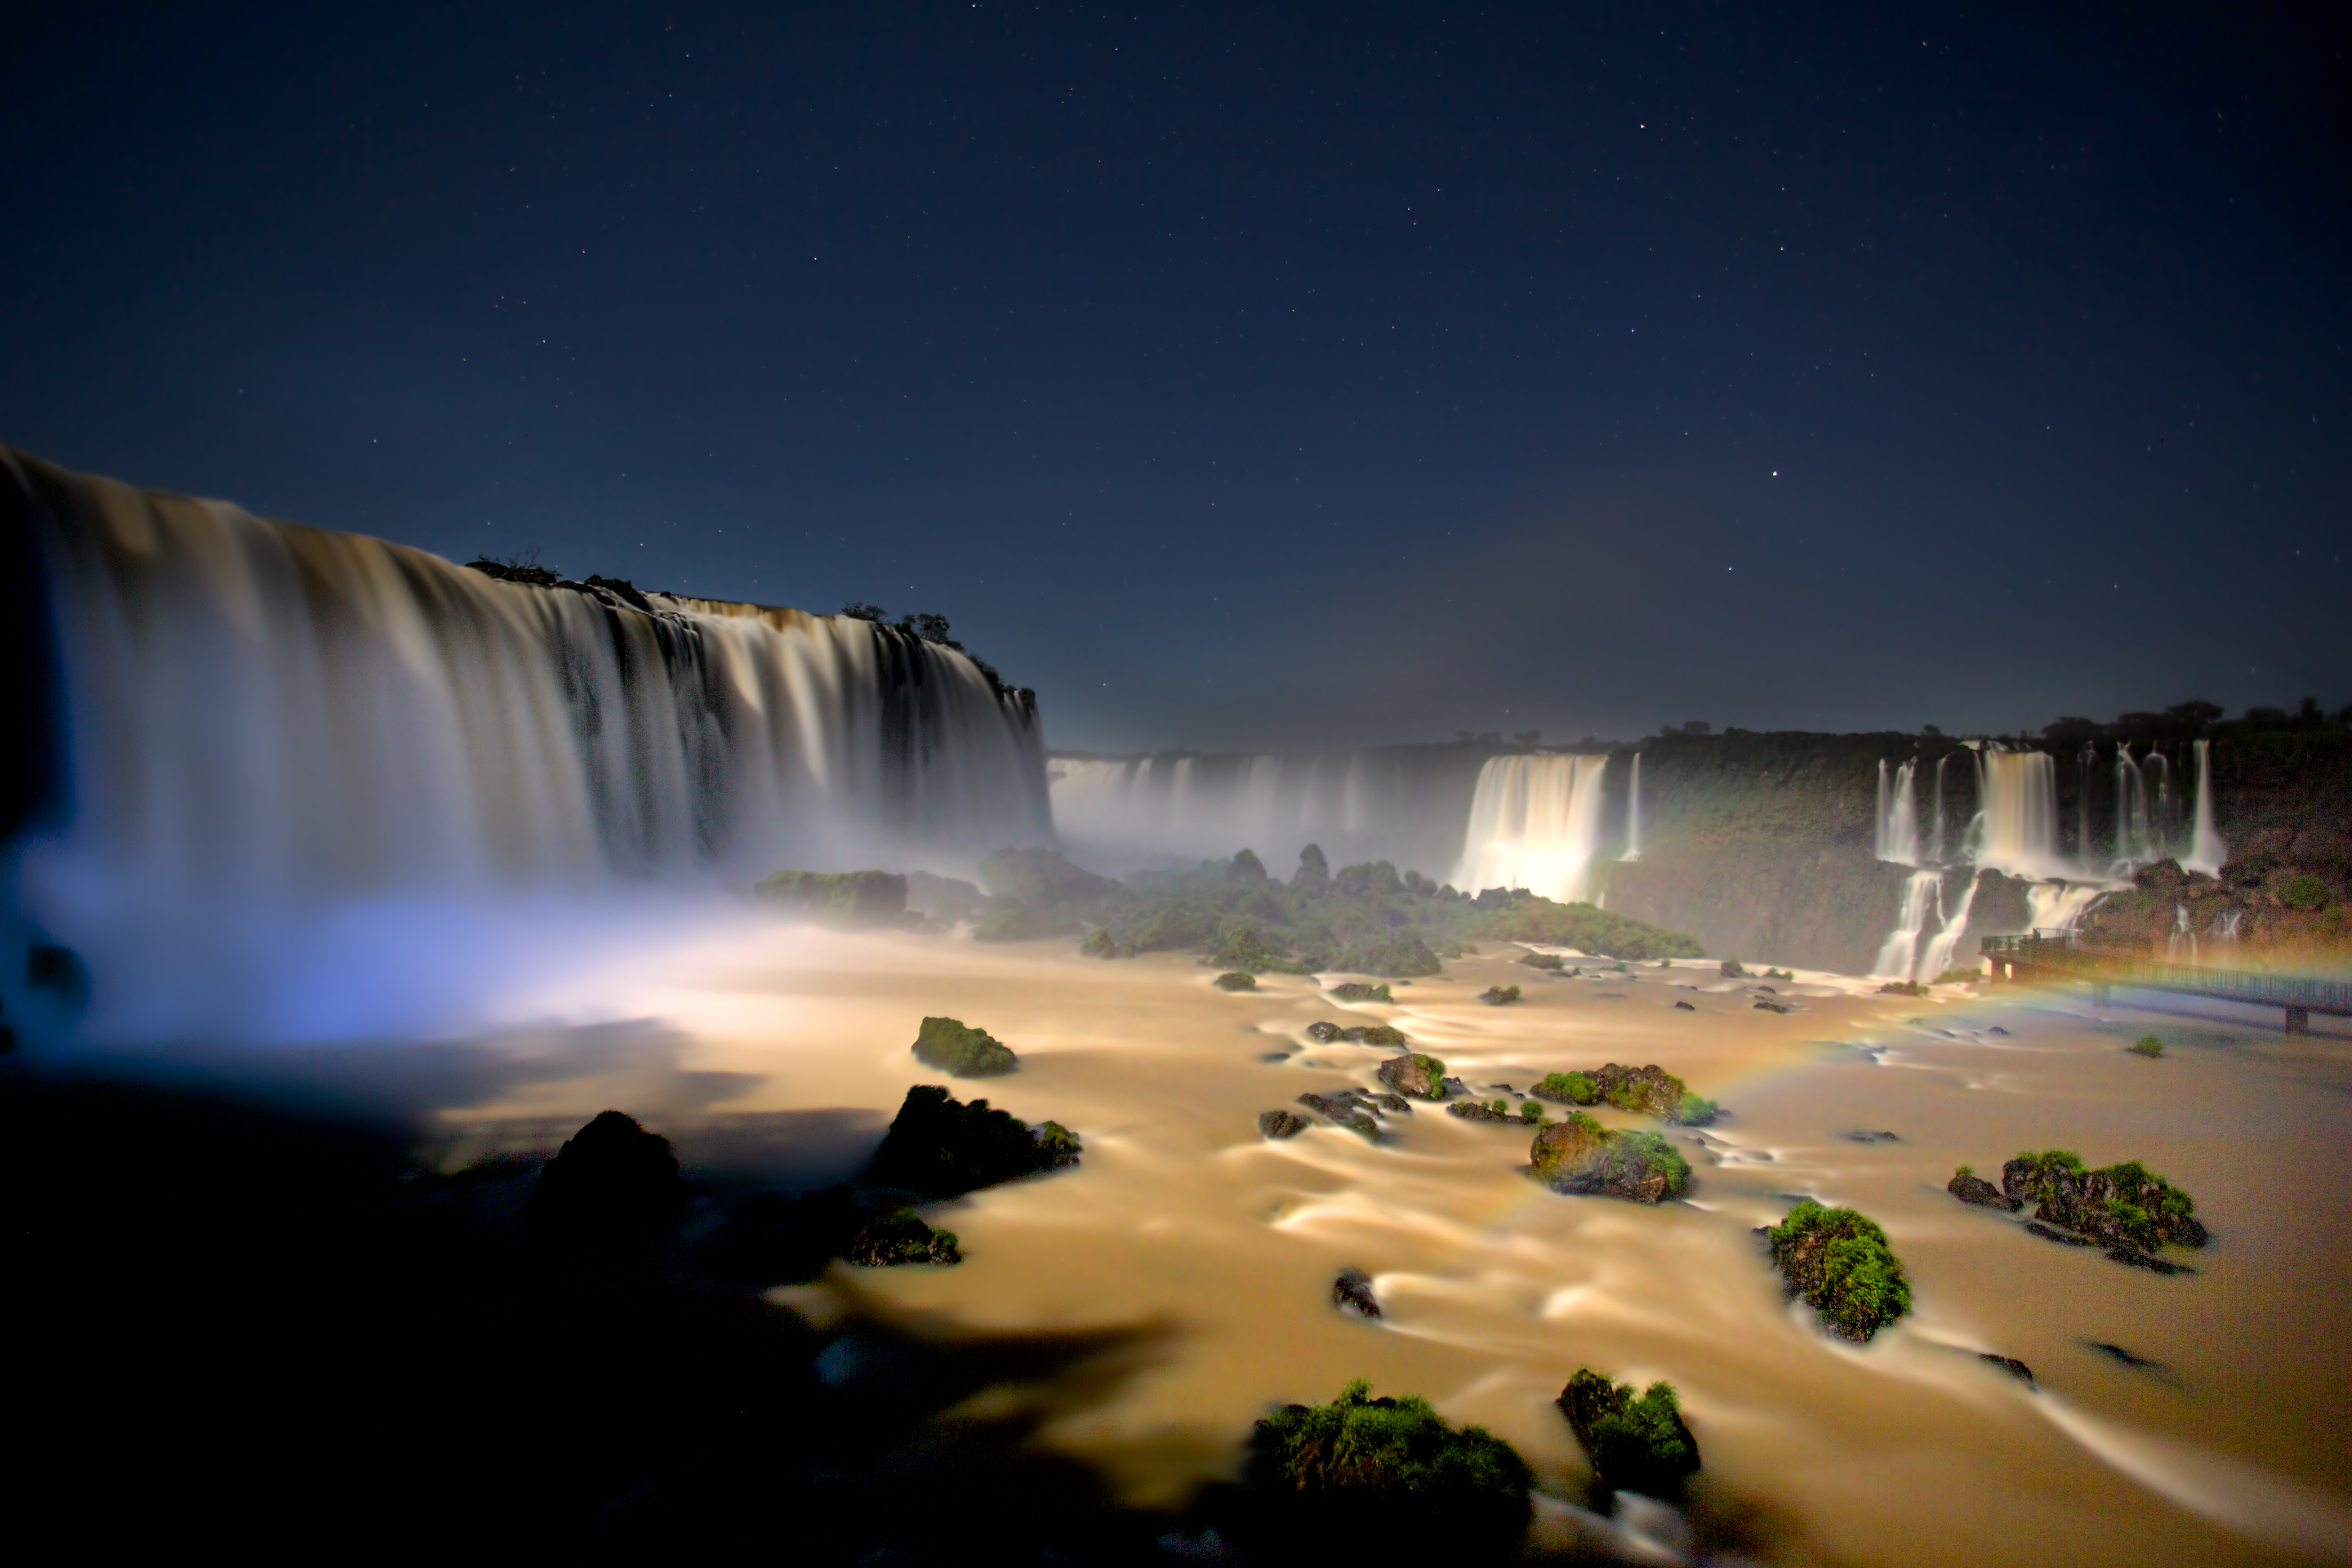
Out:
{"x": 258, "y": 718}
{"x": 2058, "y": 907}
{"x": 1900, "y": 954}
{"x": 2021, "y": 816}
{"x": 2205, "y": 851}
{"x": 1633, "y": 813}
{"x": 1936, "y": 849}
{"x": 1898, "y": 815}
{"x": 2135, "y": 837}
{"x": 1534, "y": 823}
{"x": 1946, "y": 942}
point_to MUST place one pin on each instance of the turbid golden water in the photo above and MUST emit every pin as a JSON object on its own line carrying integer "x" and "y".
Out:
{"x": 1908, "y": 1450}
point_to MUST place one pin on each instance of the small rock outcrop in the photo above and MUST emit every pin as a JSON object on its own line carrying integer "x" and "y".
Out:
{"x": 1280, "y": 1124}
{"x": 2009, "y": 1365}
{"x": 900, "y": 1237}
{"x": 1374, "y": 1035}
{"x": 610, "y": 1181}
{"x": 1415, "y": 1076}
{"x": 2126, "y": 1209}
{"x": 1580, "y": 1156}
{"x": 1683, "y": 1006}
{"x": 1499, "y": 995}
{"x": 1348, "y": 1109}
{"x": 1324, "y": 1031}
{"x": 1838, "y": 1260}
{"x": 1648, "y": 1091}
{"x": 959, "y": 1050}
{"x": 1357, "y": 991}
{"x": 852, "y": 901}
{"x": 1635, "y": 1444}
{"x": 1352, "y": 1291}
{"x": 1236, "y": 980}
{"x": 1972, "y": 1188}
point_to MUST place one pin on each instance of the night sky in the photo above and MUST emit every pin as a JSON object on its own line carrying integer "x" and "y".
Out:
{"x": 1265, "y": 374}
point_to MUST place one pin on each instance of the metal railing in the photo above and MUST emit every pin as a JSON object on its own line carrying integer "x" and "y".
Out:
{"x": 2059, "y": 949}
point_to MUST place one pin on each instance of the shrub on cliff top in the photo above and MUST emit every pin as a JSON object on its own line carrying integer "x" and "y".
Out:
{"x": 1634, "y": 1444}
{"x": 954, "y": 1046}
{"x": 1384, "y": 1471}
{"x": 1839, "y": 1261}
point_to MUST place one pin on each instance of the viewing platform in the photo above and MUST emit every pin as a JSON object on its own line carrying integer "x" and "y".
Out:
{"x": 2057, "y": 955}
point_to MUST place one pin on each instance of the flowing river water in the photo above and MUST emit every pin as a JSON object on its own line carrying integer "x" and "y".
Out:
{"x": 2233, "y": 1443}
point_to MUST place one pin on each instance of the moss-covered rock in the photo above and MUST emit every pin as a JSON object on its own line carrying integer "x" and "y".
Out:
{"x": 1400, "y": 955}
{"x": 955, "y": 1048}
{"x": 1348, "y": 1109}
{"x": 1383, "y": 1471}
{"x": 1635, "y": 1444}
{"x": 1972, "y": 1188}
{"x": 1236, "y": 980}
{"x": 2146, "y": 1046}
{"x": 1551, "y": 961}
{"x": 1839, "y": 1261}
{"x": 941, "y": 1147}
{"x": 2127, "y": 1207}
{"x": 1580, "y": 1156}
{"x": 900, "y": 1237}
{"x": 1417, "y": 1077}
{"x": 1357, "y": 991}
{"x": 1568, "y": 1088}
{"x": 1525, "y": 917}
{"x": 1499, "y": 995}
{"x": 1374, "y": 1035}
{"x": 847, "y": 900}
{"x": 1323, "y": 1031}
{"x": 1903, "y": 988}
{"x": 1098, "y": 944}
{"x": 1646, "y": 1091}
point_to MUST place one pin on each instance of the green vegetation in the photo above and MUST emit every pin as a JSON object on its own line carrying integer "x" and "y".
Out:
{"x": 1634, "y": 1444}
{"x": 1499, "y": 995}
{"x": 1903, "y": 988}
{"x": 1694, "y": 1110}
{"x": 1421, "y": 1076}
{"x": 1732, "y": 970}
{"x": 1959, "y": 976}
{"x": 1779, "y": 974}
{"x": 1357, "y": 991}
{"x": 1551, "y": 961}
{"x": 2304, "y": 891}
{"x": 2126, "y": 1206}
{"x": 848, "y": 899}
{"x": 1839, "y": 1261}
{"x": 1389, "y": 1471}
{"x": 1399, "y": 956}
{"x": 1579, "y": 1155}
{"x": 889, "y": 1240}
{"x": 941, "y": 1147}
{"x": 1374, "y": 1035}
{"x": 1237, "y": 979}
{"x": 1098, "y": 944}
{"x": 1570, "y": 1089}
{"x": 955, "y": 1048}
{"x": 2146, "y": 1046}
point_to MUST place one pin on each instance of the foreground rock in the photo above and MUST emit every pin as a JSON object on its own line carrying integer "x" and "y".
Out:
{"x": 2126, "y": 1209}
{"x": 1646, "y": 1091}
{"x": 1972, "y": 1188}
{"x": 1352, "y": 1291}
{"x": 1419, "y": 1077}
{"x": 612, "y": 1181}
{"x": 1839, "y": 1261}
{"x": 1384, "y": 1481}
{"x": 940, "y": 1147}
{"x": 1634, "y": 1444}
{"x": 1580, "y": 1156}
{"x": 955, "y": 1048}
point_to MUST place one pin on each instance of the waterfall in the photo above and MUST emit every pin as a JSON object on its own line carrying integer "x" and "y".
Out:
{"x": 2058, "y": 906}
{"x": 2021, "y": 816}
{"x": 1936, "y": 852}
{"x": 2135, "y": 834}
{"x": 1534, "y": 823}
{"x": 1947, "y": 941}
{"x": 2084, "y": 760}
{"x": 1633, "y": 813}
{"x": 2181, "y": 943}
{"x": 1897, "y": 956}
{"x": 2205, "y": 851}
{"x": 1898, "y": 815}
{"x": 2167, "y": 810}
{"x": 258, "y": 717}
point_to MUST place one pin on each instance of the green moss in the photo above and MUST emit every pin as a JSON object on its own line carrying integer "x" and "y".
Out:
{"x": 1959, "y": 976}
{"x": 1732, "y": 970}
{"x": 1634, "y": 1444}
{"x": 2146, "y": 1046}
{"x": 1571, "y": 1088}
{"x": 1499, "y": 995}
{"x": 1357, "y": 991}
{"x": 953, "y": 1046}
{"x": 900, "y": 1237}
{"x": 2304, "y": 891}
{"x": 1401, "y": 954}
{"x": 1579, "y": 1155}
{"x": 1839, "y": 1261}
{"x": 1098, "y": 944}
{"x": 846, "y": 898}
{"x": 1551, "y": 961}
{"x": 1903, "y": 988}
{"x": 1528, "y": 918}
{"x": 1237, "y": 979}
{"x": 1384, "y": 1470}
{"x": 1696, "y": 1111}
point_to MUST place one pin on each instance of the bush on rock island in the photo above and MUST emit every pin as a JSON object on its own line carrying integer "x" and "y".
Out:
{"x": 1635, "y": 1444}
{"x": 1415, "y": 1077}
{"x": 1238, "y": 980}
{"x": 943, "y": 1148}
{"x": 1580, "y": 1156}
{"x": 955, "y": 1048}
{"x": 1839, "y": 1261}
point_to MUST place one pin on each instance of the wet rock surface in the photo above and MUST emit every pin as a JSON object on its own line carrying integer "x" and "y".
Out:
{"x": 2009, "y": 1365}
{"x": 1281, "y": 1123}
{"x": 1580, "y": 1156}
{"x": 1971, "y": 1189}
{"x": 2127, "y": 1210}
{"x": 1419, "y": 1077}
{"x": 1352, "y": 1291}
{"x": 1349, "y": 1108}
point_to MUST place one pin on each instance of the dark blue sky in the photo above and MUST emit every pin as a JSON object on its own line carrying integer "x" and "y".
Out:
{"x": 1260, "y": 374}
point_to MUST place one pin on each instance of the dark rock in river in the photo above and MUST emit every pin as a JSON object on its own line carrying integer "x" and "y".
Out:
{"x": 1580, "y": 1156}
{"x": 941, "y": 1147}
{"x": 1768, "y": 1005}
{"x": 1634, "y": 1444}
{"x": 1476, "y": 1110}
{"x": 1324, "y": 1031}
{"x": 2124, "y": 1208}
{"x": 1343, "y": 1109}
{"x": 1684, "y": 1006}
{"x": 1422, "y": 1078}
{"x": 1374, "y": 1035}
{"x": 1395, "y": 1103}
{"x": 1281, "y": 1123}
{"x": 2010, "y": 1364}
{"x": 2046, "y": 1233}
{"x": 1352, "y": 1291}
{"x": 955, "y": 1048}
{"x": 1973, "y": 1189}
{"x": 900, "y": 1237}
{"x": 1864, "y": 1135}
{"x": 611, "y": 1180}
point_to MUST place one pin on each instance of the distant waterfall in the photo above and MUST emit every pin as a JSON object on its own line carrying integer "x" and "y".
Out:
{"x": 1534, "y": 823}
{"x": 1898, "y": 815}
{"x": 1897, "y": 957}
{"x": 2058, "y": 906}
{"x": 255, "y": 716}
{"x": 1940, "y": 951}
{"x": 2206, "y": 851}
{"x": 1633, "y": 813}
{"x": 1936, "y": 849}
{"x": 2136, "y": 838}
{"x": 2021, "y": 816}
